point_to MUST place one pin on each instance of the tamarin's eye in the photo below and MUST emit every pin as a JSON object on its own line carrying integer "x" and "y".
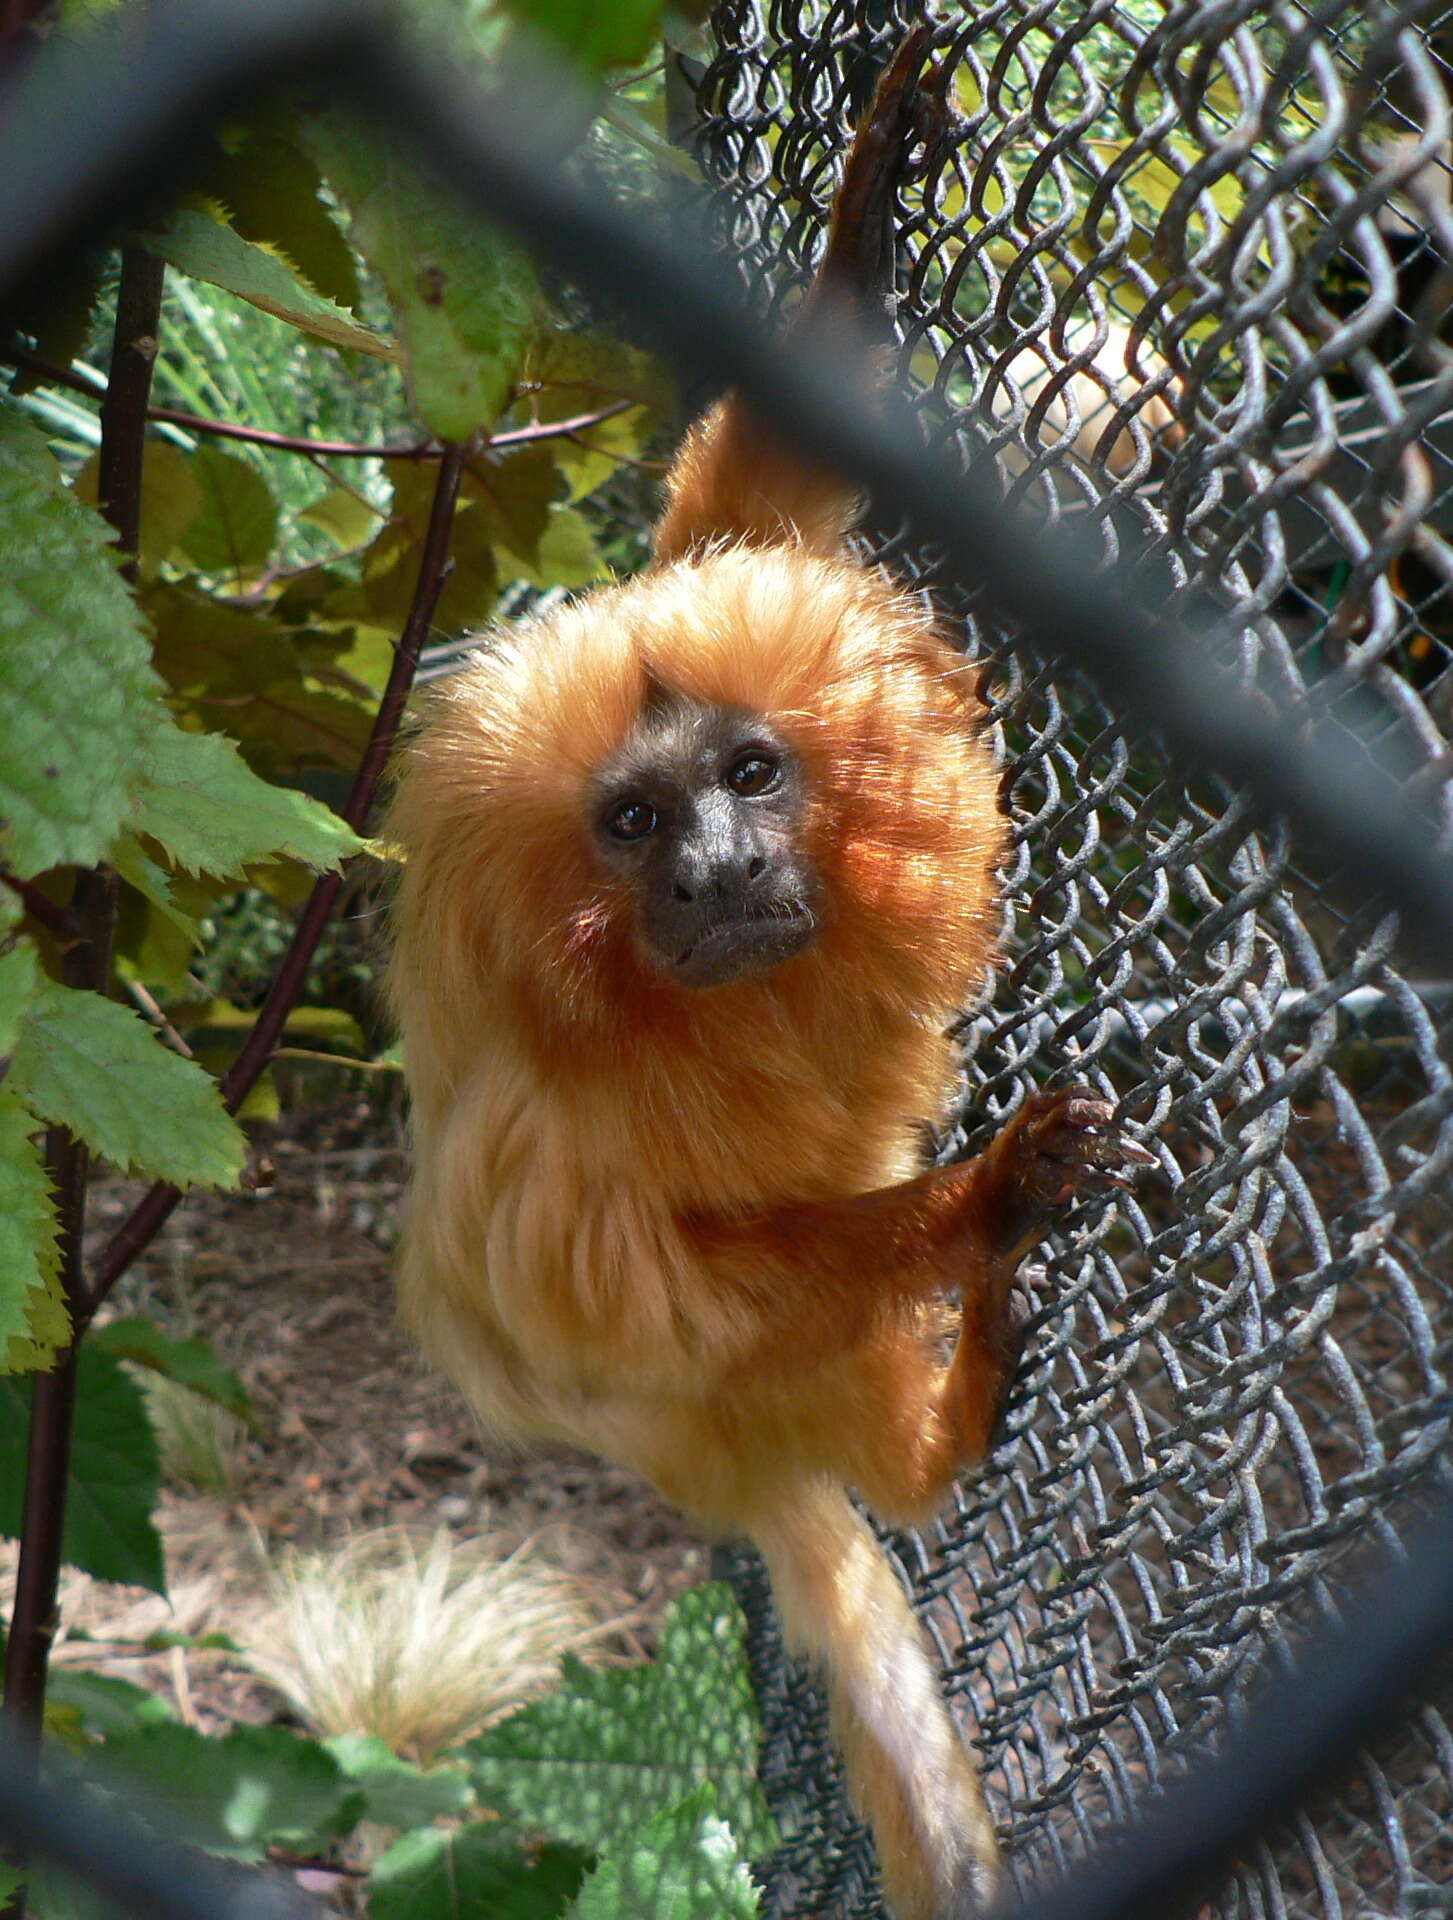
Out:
{"x": 632, "y": 820}
{"x": 753, "y": 773}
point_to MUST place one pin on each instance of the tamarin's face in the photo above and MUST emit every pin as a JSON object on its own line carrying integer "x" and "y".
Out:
{"x": 699, "y": 817}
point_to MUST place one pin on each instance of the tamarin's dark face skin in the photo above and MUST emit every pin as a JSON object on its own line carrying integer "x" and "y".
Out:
{"x": 701, "y": 815}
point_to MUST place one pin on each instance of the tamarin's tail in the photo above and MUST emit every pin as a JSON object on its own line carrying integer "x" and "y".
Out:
{"x": 908, "y": 1771}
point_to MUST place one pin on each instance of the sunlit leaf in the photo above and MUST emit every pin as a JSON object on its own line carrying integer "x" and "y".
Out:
{"x": 75, "y": 676}
{"x": 88, "y": 1064}
{"x": 207, "y": 250}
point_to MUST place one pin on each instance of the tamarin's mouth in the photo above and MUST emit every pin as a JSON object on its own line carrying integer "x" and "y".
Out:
{"x": 746, "y": 943}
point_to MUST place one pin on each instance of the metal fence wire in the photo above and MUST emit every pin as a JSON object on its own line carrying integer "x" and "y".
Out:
{"x": 1182, "y": 272}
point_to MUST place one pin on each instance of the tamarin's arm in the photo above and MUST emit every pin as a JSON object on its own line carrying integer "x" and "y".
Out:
{"x": 816, "y": 1276}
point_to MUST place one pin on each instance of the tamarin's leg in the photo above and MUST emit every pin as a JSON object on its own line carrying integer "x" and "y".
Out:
{"x": 1057, "y": 1146}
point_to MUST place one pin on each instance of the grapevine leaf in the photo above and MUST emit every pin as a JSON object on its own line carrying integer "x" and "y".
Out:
{"x": 88, "y": 1064}
{"x": 606, "y": 1750}
{"x": 237, "y": 523}
{"x": 253, "y": 1788}
{"x": 462, "y": 296}
{"x": 684, "y": 1864}
{"x": 200, "y": 799}
{"x": 112, "y": 1484}
{"x": 478, "y": 1872}
{"x": 191, "y": 1363}
{"x": 198, "y": 245}
{"x": 75, "y": 672}
{"x": 34, "y": 1323}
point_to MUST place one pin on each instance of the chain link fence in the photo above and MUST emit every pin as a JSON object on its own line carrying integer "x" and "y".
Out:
{"x": 1181, "y": 272}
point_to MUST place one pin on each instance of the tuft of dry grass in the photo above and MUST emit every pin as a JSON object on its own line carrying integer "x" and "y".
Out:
{"x": 202, "y": 1446}
{"x": 421, "y": 1640}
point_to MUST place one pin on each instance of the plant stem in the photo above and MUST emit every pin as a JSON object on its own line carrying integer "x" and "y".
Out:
{"x": 86, "y": 964}
{"x": 59, "y": 922}
{"x": 152, "y": 1211}
{"x": 314, "y": 449}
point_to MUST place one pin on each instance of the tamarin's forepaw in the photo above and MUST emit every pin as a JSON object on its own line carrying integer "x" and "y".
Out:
{"x": 1060, "y": 1147}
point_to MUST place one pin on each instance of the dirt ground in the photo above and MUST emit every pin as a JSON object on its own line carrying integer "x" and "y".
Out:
{"x": 291, "y": 1284}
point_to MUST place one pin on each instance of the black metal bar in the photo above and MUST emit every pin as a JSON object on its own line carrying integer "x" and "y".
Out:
{"x": 504, "y": 155}
{"x": 67, "y": 1822}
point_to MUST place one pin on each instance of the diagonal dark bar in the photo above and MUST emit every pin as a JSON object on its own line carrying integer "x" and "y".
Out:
{"x": 505, "y": 154}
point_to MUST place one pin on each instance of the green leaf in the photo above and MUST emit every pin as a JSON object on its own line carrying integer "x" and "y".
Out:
{"x": 244, "y": 671}
{"x": 463, "y": 297}
{"x": 685, "y": 1864}
{"x": 75, "y": 666}
{"x": 479, "y": 1872}
{"x": 200, "y": 799}
{"x": 34, "y": 1324}
{"x": 88, "y": 1064}
{"x": 111, "y": 1488}
{"x": 191, "y": 1363}
{"x": 606, "y": 1750}
{"x": 19, "y": 976}
{"x": 570, "y": 374}
{"x": 397, "y": 1794}
{"x": 345, "y": 518}
{"x": 253, "y": 1788}
{"x": 270, "y": 191}
{"x": 512, "y": 494}
{"x": 200, "y": 246}
{"x": 567, "y": 555}
{"x": 237, "y": 524}
{"x": 104, "y": 1704}
{"x": 597, "y": 33}
{"x": 171, "y": 498}
{"x": 332, "y": 1024}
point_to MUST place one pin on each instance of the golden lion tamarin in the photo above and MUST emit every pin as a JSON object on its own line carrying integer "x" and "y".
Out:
{"x": 697, "y": 872}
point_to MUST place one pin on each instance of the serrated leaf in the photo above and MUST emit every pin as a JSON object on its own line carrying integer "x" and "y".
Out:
{"x": 200, "y": 246}
{"x": 19, "y": 977}
{"x": 606, "y": 1750}
{"x": 196, "y": 795}
{"x": 75, "y": 669}
{"x": 171, "y": 498}
{"x": 685, "y": 1864}
{"x": 236, "y": 523}
{"x": 271, "y": 192}
{"x": 191, "y": 1363}
{"x": 112, "y": 1485}
{"x": 156, "y": 935}
{"x": 253, "y": 1788}
{"x": 397, "y": 1794}
{"x": 479, "y": 1872}
{"x": 88, "y": 1064}
{"x": 462, "y": 296}
{"x": 34, "y": 1324}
